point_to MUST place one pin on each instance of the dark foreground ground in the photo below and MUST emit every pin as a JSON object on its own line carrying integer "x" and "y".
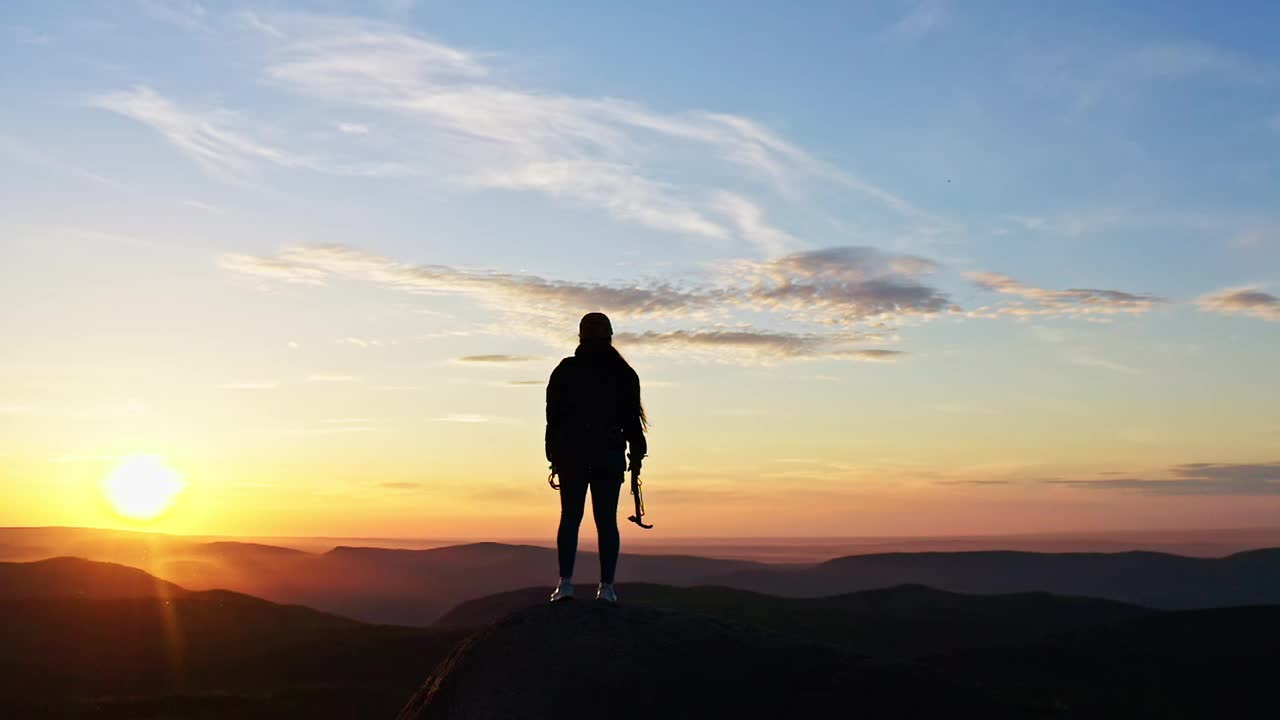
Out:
{"x": 1029, "y": 655}
{"x": 579, "y": 659}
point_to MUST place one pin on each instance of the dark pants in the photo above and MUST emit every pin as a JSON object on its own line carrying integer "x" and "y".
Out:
{"x": 605, "y": 487}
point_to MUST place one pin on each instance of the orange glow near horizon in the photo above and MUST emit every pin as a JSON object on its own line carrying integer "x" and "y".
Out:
{"x": 342, "y": 489}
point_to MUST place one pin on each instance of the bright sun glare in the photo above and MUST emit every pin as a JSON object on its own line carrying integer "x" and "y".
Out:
{"x": 142, "y": 487}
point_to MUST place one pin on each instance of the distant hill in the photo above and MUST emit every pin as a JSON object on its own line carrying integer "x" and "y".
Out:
{"x": 416, "y": 587}
{"x": 81, "y": 637}
{"x": 584, "y": 659}
{"x": 1144, "y": 578}
{"x": 74, "y": 577}
{"x": 24, "y": 544}
{"x": 406, "y": 587}
{"x": 905, "y": 621}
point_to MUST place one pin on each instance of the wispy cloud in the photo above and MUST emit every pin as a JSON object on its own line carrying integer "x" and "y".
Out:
{"x": 253, "y": 21}
{"x": 219, "y": 140}
{"x": 457, "y": 119}
{"x": 1072, "y": 302}
{"x": 840, "y": 285}
{"x": 1071, "y": 224}
{"x": 843, "y": 287}
{"x": 1242, "y": 301}
{"x": 316, "y": 262}
{"x": 272, "y": 268}
{"x": 1078, "y": 353}
{"x": 360, "y": 342}
{"x": 496, "y": 359}
{"x": 1194, "y": 479}
{"x": 765, "y": 346}
{"x": 211, "y": 137}
{"x": 748, "y": 219}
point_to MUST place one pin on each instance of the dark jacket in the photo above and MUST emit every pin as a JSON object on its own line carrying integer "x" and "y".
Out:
{"x": 593, "y": 411}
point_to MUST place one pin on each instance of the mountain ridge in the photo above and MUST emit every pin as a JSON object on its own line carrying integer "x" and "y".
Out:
{"x": 417, "y": 586}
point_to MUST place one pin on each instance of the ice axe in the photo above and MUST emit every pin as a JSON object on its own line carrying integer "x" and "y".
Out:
{"x": 638, "y": 518}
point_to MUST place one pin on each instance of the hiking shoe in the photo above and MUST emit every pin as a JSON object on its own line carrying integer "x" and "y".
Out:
{"x": 563, "y": 591}
{"x": 607, "y": 594}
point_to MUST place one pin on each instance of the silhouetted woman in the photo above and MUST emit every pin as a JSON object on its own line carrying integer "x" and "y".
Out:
{"x": 593, "y": 413}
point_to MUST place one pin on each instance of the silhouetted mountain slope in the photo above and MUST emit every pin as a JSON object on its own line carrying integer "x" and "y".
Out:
{"x": 908, "y": 620}
{"x": 76, "y": 577}
{"x": 1217, "y": 663}
{"x": 584, "y": 659}
{"x": 80, "y": 638}
{"x": 1151, "y": 579}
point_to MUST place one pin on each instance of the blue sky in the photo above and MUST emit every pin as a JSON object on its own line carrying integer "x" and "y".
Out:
{"x": 229, "y": 223}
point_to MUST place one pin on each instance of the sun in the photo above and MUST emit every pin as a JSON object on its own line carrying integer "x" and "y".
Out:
{"x": 142, "y": 487}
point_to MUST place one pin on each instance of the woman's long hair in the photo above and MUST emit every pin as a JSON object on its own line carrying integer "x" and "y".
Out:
{"x": 613, "y": 352}
{"x": 644, "y": 419}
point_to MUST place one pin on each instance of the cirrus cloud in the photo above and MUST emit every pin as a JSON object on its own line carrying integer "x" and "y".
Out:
{"x": 1072, "y": 302}
{"x": 456, "y": 119}
{"x": 1195, "y": 479}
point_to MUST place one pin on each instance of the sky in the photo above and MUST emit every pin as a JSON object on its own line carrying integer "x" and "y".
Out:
{"x": 884, "y": 268}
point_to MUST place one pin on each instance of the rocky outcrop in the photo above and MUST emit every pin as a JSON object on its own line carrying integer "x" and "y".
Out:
{"x": 584, "y": 659}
